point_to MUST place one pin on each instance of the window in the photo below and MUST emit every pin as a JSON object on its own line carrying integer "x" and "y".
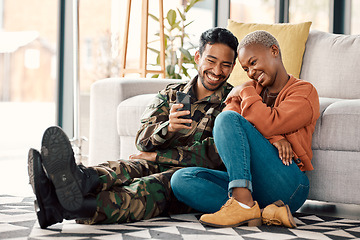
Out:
{"x": 308, "y": 10}
{"x": 27, "y": 46}
{"x": 355, "y": 17}
{"x": 255, "y": 11}
{"x": 28, "y": 50}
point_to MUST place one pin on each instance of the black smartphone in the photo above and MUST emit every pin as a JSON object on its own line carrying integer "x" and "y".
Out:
{"x": 185, "y": 100}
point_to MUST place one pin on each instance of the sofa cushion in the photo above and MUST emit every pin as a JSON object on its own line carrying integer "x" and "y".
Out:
{"x": 324, "y": 103}
{"x": 337, "y": 129}
{"x": 129, "y": 113}
{"x": 291, "y": 37}
{"x": 331, "y": 63}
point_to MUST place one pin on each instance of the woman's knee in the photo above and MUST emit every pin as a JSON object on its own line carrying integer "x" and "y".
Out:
{"x": 224, "y": 118}
{"x": 223, "y": 122}
{"x": 182, "y": 174}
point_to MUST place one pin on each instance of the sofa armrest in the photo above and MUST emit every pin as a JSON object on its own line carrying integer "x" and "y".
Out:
{"x": 105, "y": 96}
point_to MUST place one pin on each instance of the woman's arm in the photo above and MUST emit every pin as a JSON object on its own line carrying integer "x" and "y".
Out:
{"x": 297, "y": 108}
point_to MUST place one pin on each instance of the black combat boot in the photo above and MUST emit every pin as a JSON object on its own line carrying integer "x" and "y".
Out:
{"x": 47, "y": 206}
{"x": 72, "y": 182}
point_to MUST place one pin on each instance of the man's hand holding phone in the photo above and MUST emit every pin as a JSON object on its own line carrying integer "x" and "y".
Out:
{"x": 179, "y": 117}
{"x": 176, "y": 122}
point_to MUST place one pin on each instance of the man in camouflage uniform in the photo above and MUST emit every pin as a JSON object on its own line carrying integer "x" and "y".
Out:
{"x": 139, "y": 188}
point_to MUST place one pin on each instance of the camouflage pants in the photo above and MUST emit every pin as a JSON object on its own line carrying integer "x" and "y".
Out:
{"x": 133, "y": 190}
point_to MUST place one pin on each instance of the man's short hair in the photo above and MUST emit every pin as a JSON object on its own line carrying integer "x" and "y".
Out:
{"x": 218, "y": 35}
{"x": 259, "y": 37}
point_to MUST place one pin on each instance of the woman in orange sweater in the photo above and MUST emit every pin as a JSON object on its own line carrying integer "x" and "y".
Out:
{"x": 264, "y": 138}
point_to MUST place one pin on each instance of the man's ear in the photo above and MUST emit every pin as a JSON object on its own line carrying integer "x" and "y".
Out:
{"x": 234, "y": 65}
{"x": 197, "y": 57}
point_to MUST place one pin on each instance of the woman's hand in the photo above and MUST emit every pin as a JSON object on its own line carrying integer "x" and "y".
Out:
{"x": 149, "y": 156}
{"x": 285, "y": 151}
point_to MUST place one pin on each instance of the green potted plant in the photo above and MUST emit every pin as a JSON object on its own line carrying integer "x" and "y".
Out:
{"x": 178, "y": 59}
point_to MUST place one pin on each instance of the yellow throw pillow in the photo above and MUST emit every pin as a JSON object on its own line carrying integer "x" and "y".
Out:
{"x": 291, "y": 37}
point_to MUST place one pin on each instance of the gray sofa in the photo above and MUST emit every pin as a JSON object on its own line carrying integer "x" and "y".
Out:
{"x": 331, "y": 62}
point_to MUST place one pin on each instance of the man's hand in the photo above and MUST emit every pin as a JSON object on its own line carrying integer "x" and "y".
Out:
{"x": 175, "y": 122}
{"x": 149, "y": 156}
{"x": 235, "y": 92}
{"x": 285, "y": 151}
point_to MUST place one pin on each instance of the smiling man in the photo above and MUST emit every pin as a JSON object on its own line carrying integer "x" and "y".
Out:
{"x": 129, "y": 190}
{"x": 212, "y": 70}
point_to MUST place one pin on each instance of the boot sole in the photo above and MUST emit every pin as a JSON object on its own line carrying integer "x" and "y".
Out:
{"x": 57, "y": 155}
{"x": 39, "y": 208}
{"x": 255, "y": 222}
{"x": 35, "y": 166}
{"x": 280, "y": 203}
{"x": 31, "y": 170}
{"x": 291, "y": 218}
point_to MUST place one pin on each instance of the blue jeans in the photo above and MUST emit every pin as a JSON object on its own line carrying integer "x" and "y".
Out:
{"x": 251, "y": 162}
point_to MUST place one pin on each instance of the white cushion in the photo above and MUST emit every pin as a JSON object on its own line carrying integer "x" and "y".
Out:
{"x": 331, "y": 63}
{"x": 324, "y": 103}
{"x": 129, "y": 113}
{"x": 339, "y": 129}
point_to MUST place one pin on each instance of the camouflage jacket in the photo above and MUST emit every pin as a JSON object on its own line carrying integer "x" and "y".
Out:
{"x": 186, "y": 148}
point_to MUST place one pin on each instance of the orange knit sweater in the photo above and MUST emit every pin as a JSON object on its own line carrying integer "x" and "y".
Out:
{"x": 293, "y": 116}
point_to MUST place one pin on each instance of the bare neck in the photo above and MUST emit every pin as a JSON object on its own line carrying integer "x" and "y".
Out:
{"x": 281, "y": 80}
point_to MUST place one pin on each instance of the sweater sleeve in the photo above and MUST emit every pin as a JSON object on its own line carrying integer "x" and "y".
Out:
{"x": 233, "y": 104}
{"x": 276, "y": 138}
{"x": 292, "y": 113}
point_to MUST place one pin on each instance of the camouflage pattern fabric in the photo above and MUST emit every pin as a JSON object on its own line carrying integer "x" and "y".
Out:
{"x": 132, "y": 190}
{"x": 194, "y": 147}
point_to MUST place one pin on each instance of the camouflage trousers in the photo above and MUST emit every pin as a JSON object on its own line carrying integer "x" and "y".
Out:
{"x": 133, "y": 190}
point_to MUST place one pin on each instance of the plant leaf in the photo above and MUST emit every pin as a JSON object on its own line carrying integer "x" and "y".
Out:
{"x": 155, "y": 76}
{"x": 186, "y": 53}
{"x": 170, "y": 69}
{"x": 158, "y": 59}
{"x": 184, "y": 69}
{"x": 154, "y": 50}
{"x": 171, "y": 17}
{"x": 191, "y": 4}
{"x": 181, "y": 15}
{"x": 189, "y": 23}
{"x": 154, "y": 17}
{"x": 176, "y": 25}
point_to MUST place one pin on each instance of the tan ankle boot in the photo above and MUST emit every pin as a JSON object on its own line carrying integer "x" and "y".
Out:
{"x": 233, "y": 215}
{"x": 278, "y": 214}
